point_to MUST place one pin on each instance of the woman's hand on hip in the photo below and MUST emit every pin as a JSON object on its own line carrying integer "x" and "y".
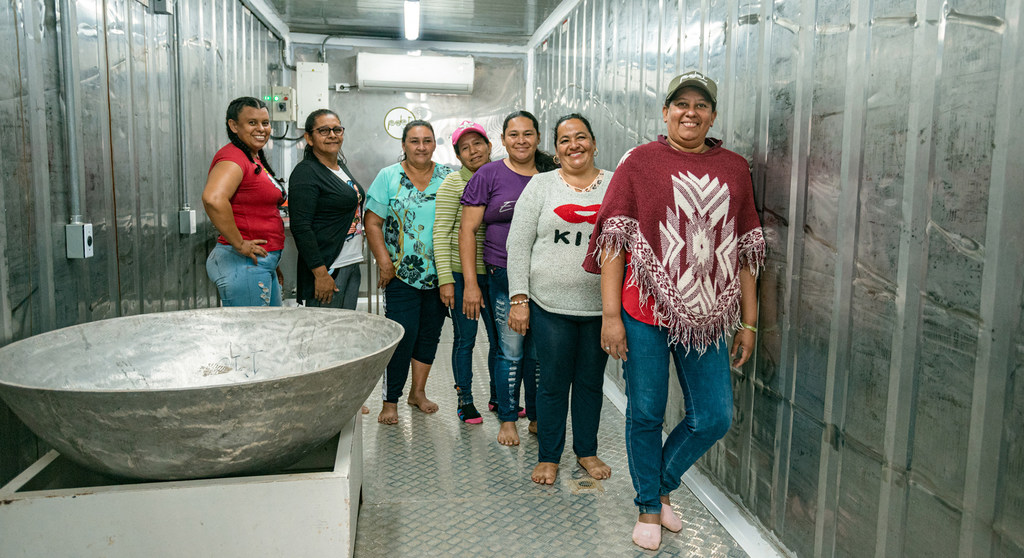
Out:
{"x": 519, "y": 318}
{"x": 742, "y": 346}
{"x": 613, "y": 337}
{"x": 252, "y": 249}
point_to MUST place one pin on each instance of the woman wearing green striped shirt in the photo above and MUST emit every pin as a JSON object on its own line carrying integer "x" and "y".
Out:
{"x": 473, "y": 150}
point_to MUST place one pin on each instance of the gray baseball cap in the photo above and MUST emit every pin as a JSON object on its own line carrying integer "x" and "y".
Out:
{"x": 693, "y": 79}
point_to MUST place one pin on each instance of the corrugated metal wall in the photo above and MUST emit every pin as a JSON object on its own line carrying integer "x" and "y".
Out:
{"x": 131, "y": 180}
{"x": 880, "y": 416}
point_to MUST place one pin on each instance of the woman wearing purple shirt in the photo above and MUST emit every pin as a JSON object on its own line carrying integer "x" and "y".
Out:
{"x": 490, "y": 197}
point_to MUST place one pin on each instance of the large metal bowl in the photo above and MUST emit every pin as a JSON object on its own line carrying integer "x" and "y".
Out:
{"x": 197, "y": 393}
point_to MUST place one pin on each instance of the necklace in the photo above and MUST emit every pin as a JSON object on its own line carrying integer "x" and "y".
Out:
{"x": 593, "y": 185}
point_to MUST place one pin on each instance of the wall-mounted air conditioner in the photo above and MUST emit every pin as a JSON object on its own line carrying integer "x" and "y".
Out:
{"x": 424, "y": 74}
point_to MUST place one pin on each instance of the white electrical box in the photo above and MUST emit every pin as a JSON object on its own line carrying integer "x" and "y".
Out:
{"x": 282, "y": 103}
{"x": 311, "y": 88}
{"x": 79, "y": 240}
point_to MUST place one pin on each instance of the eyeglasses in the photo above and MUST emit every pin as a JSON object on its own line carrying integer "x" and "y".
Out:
{"x": 325, "y": 131}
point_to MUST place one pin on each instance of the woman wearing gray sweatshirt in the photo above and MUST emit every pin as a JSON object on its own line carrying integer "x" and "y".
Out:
{"x": 552, "y": 294}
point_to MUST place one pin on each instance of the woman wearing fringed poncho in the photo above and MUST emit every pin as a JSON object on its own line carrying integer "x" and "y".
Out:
{"x": 678, "y": 244}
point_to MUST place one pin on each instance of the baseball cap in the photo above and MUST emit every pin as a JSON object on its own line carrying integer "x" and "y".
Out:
{"x": 467, "y": 126}
{"x": 693, "y": 79}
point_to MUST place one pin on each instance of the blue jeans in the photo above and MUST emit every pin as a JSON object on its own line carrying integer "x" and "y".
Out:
{"x": 465, "y": 339}
{"x": 422, "y": 315}
{"x": 707, "y": 389}
{"x": 241, "y": 282}
{"x": 516, "y": 363}
{"x": 571, "y": 359}
{"x": 346, "y": 279}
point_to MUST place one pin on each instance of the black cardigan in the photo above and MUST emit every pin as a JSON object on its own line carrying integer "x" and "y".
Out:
{"x": 321, "y": 208}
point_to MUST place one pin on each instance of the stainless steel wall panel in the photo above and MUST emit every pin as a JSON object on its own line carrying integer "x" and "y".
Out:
{"x": 650, "y": 91}
{"x": 33, "y": 308}
{"x": 943, "y": 408}
{"x": 740, "y": 100}
{"x": 858, "y": 505}
{"x": 14, "y": 149}
{"x": 873, "y": 317}
{"x": 931, "y": 524}
{"x": 874, "y": 309}
{"x": 762, "y": 464}
{"x": 802, "y": 487}
{"x": 691, "y": 43}
{"x": 94, "y": 279}
{"x": 1010, "y": 515}
{"x": 124, "y": 170}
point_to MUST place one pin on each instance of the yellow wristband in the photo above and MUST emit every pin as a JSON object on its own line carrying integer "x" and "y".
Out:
{"x": 745, "y": 325}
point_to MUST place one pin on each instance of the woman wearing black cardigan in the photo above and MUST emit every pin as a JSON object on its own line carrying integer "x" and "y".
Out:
{"x": 325, "y": 205}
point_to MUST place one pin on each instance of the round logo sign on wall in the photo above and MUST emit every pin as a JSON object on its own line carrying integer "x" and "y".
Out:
{"x": 396, "y": 119}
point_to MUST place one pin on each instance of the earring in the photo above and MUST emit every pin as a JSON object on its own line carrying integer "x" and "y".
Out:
{"x": 555, "y": 159}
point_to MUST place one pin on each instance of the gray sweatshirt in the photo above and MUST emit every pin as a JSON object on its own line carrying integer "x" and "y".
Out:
{"x": 548, "y": 241}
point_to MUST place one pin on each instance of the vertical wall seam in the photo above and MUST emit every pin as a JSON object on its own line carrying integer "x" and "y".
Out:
{"x": 840, "y": 334}
{"x": 746, "y": 398}
{"x": 43, "y": 228}
{"x": 1001, "y": 282}
{"x": 911, "y": 274}
{"x": 795, "y": 251}
{"x": 109, "y": 177}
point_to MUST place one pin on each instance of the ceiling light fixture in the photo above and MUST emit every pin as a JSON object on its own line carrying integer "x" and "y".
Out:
{"x": 412, "y": 19}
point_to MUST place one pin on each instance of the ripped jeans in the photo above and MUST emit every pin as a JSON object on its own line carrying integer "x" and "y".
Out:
{"x": 516, "y": 362}
{"x": 242, "y": 283}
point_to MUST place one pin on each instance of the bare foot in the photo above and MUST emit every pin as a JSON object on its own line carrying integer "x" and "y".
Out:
{"x": 507, "y": 434}
{"x": 365, "y": 410}
{"x": 595, "y": 467}
{"x": 421, "y": 402}
{"x": 533, "y": 427}
{"x": 545, "y": 473}
{"x": 388, "y": 414}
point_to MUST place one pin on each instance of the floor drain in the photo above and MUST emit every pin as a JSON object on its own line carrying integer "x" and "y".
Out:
{"x": 586, "y": 485}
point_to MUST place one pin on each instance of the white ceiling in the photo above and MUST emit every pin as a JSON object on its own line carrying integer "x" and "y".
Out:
{"x": 507, "y": 22}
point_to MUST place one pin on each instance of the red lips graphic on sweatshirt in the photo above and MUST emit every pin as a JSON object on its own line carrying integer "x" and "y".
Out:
{"x": 573, "y": 213}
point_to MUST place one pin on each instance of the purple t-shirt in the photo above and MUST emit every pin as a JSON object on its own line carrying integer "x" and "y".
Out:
{"x": 497, "y": 187}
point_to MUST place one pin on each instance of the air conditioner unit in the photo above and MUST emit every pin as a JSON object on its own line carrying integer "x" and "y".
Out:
{"x": 424, "y": 74}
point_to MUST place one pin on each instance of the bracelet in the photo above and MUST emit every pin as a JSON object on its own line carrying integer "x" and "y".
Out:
{"x": 745, "y": 325}
{"x": 524, "y": 301}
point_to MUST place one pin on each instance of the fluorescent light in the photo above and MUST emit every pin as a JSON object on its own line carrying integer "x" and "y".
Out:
{"x": 412, "y": 19}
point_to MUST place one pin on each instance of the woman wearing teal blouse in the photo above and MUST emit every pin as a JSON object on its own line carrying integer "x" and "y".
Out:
{"x": 399, "y": 227}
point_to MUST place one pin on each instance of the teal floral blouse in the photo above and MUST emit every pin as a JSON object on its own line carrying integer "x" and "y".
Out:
{"x": 408, "y": 216}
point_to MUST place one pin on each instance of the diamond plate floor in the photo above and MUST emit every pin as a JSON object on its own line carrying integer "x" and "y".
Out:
{"x": 433, "y": 486}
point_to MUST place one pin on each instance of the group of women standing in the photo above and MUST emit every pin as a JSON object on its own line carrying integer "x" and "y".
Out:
{"x": 566, "y": 264}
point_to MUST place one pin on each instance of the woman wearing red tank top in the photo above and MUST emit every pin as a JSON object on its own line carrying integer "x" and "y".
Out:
{"x": 241, "y": 198}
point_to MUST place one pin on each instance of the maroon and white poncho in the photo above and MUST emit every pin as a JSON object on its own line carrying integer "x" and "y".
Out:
{"x": 688, "y": 223}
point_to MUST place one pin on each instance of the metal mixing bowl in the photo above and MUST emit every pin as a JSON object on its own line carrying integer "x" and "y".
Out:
{"x": 198, "y": 393}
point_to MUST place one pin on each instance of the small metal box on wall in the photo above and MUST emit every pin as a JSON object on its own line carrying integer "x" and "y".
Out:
{"x": 282, "y": 103}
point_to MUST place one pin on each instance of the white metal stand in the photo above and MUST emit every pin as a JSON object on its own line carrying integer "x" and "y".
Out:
{"x": 55, "y": 508}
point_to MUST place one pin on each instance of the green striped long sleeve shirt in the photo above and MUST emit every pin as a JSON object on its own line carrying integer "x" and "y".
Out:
{"x": 447, "y": 217}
